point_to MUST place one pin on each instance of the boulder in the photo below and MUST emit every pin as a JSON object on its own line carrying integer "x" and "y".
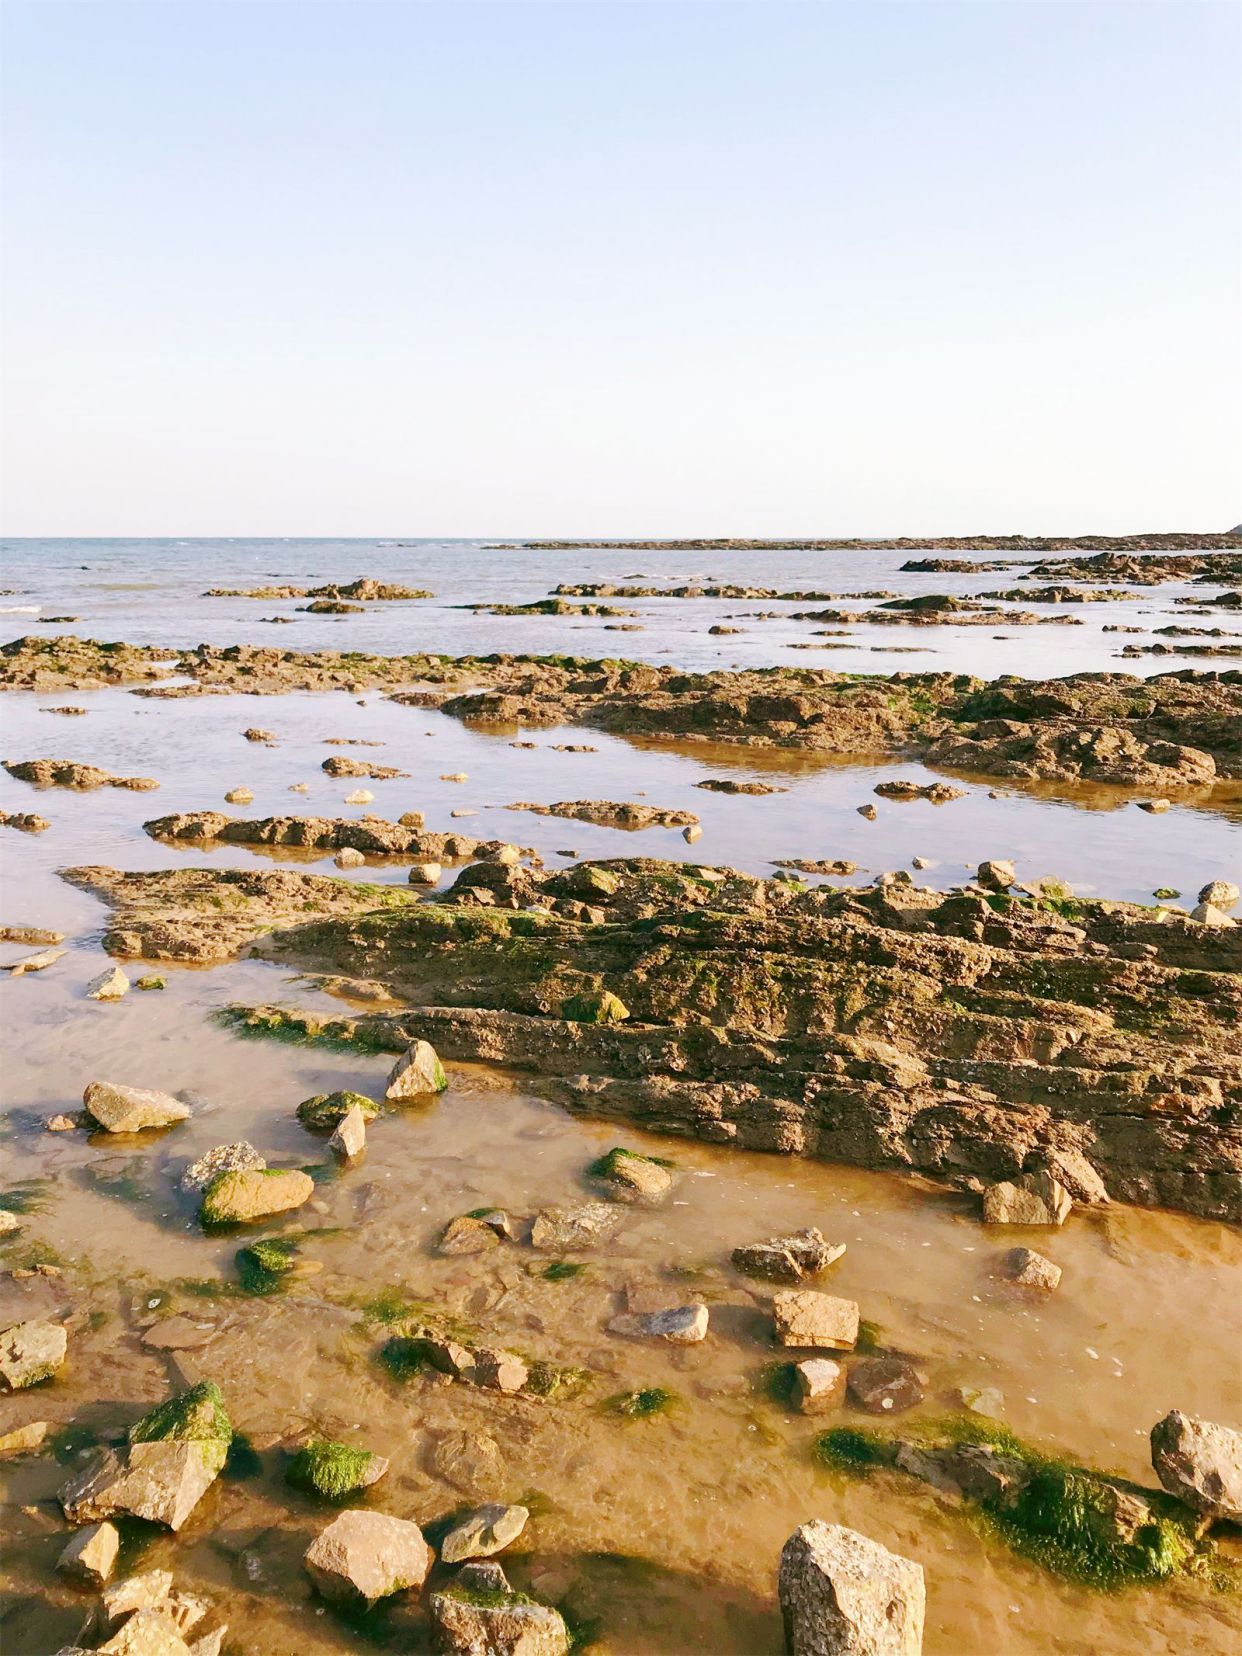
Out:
{"x": 239, "y": 1157}
{"x": 417, "y": 1072}
{"x": 997, "y": 876}
{"x": 1030, "y": 1269}
{"x": 631, "y": 1177}
{"x": 486, "y": 1530}
{"x": 348, "y": 857}
{"x": 842, "y": 1594}
{"x": 109, "y": 985}
{"x": 884, "y": 1385}
{"x": 469, "y": 1622}
{"x": 91, "y": 1554}
{"x": 161, "y": 1481}
{"x": 819, "y": 1385}
{"x": 350, "y": 1138}
{"x": 326, "y": 1111}
{"x": 1200, "y": 1463}
{"x": 240, "y": 1198}
{"x": 678, "y": 1325}
{"x": 1030, "y": 1199}
{"x": 788, "y": 1258}
{"x": 815, "y": 1321}
{"x": 362, "y": 1557}
{"x": 31, "y": 1352}
{"x": 468, "y": 1234}
{"x": 426, "y": 874}
{"x": 120, "y": 1109}
{"x": 1221, "y": 894}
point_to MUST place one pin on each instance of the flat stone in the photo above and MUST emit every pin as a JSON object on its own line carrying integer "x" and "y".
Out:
{"x": 109, "y": 985}
{"x": 131, "y": 1109}
{"x": 988, "y": 1401}
{"x": 239, "y": 1198}
{"x": 1200, "y": 1463}
{"x": 502, "y": 1371}
{"x": 1030, "y": 1269}
{"x": 366, "y": 1556}
{"x": 466, "y": 1626}
{"x": 239, "y": 1157}
{"x": 91, "y": 1554}
{"x": 1031, "y": 1199}
{"x": 148, "y": 1633}
{"x": 884, "y": 1385}
{"x": 486, "y": 1530}
{"x": 35, "y": 962}
{"x": 178, "y": 1333}
{"x": 24, "y": 1440}
{"x": 815, "y": 1321}
{"x": 416, "y": 1073}
{"x": 678, "y": 1324}
{"x": 842, "y": 1594}
{"x": 161, "y": 1481}
{"x": 574, "y": 1229}
{"x": 819, "y": 1385}
{"x": 350, "y": 1138}
{"x": 31, "y": 1352}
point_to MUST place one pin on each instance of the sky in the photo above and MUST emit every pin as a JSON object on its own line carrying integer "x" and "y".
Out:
{"x": 300, "y": 267}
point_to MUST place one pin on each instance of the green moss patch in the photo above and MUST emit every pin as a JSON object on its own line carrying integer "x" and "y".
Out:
{"x": 329, "y": 1470}
{"x": 263, "y": 1266}
{"x": 325, "y": 1112}
{"x": 194, "y": 1416}
{"x": 637, "y": 1405}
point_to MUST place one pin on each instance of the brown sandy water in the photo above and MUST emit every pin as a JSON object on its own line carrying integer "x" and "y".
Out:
{"x": 660, "y": 1534}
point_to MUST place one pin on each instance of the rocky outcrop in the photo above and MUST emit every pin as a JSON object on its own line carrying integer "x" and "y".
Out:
{"x": 66, "y": 773}
{"x": 607, "y": 813}
{"x": 842, "y": 1594}
{"x": 370, "y": 834}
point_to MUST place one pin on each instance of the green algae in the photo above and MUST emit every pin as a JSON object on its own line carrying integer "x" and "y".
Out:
{"x": 326, "y": 1111}
{"x": 329, "y": 1470}
{"x": 263, "y": 1266}
{"x": 639, "y": 1405}
{"x": 194, "y": 1416}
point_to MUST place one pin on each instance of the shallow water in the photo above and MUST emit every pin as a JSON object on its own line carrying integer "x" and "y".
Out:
{"x": 658, "y": 1535}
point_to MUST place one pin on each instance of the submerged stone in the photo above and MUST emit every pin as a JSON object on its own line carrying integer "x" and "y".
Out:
{"x": 334, "y": 1470}
{"x": 1030, "y": 1269}
{"x": 31, "y": 1352}
{"x": 326, "y": 1111}
{"x": 632, "y": 1177}
{"x": 486, "y": 1530}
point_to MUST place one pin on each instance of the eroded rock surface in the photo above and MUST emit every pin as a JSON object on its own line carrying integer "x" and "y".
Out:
{"x": 842, "y": 1594}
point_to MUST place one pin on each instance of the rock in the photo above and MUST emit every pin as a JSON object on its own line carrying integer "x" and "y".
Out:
{"x": 62, "y": 1124}
{"x": 350, "y": 1139}
{"x": 120, "y": 1109}
{"x": 1207, "y": 915}
{"x": 1031, "y": 1269}
{"x": 470, "y": 1461}
{"x": 239, "y": 796}
{"x": 788, "y": 1258}
{"x": 468, "y": 1234}
{"x": 9, "y": 1222}
{"x": 446, "y": 1356}
{"x": 572, "y": 1229}
{"x": 349, "y": 858}
{"x": 603, "y": 1008}
{"x": 31, "y": 1352}
{"x": 160, "y": 1481}
{"x": 239, "y": 1157}
{"x": 815, "y": 1321}
{"x": 678, "y": 1324}
{"x": 254, "y": 735}
{"x": 109, "y": 985}
{"x": 480, "y": 1576}
{"x": 1200, "y": 1463}
{"x": 240, "y": 1198}
{"x": 91, "y": 1554}
{"x": 486, "y": 1530}
{"x": 842, "y": 1594}
{"x": 632, "y": 1178}
{"x": 983, "y": 1472}
{"x": 1153, "y": 807}
{"x": 884, "y": 1385}
{"x": 416, "y": 1073}
{"x": 426, "y": 874}
{"x": 148, "y": 1633}
{"x": 24, "y": 1440}
{"x": 502, "y": 1371}
{"x": 471, "y": 1623}
{"x": 211, "y": 1644}
{"x": 988, "y": 1401}
{"x": 35, "y": 962}
{"x": 692, "y": 833}
{"x": 819, "y": 1385}
{"x": 1221, "y": 894}
{"x": 334, "y": 1471}
{"x": 1031, "y": 1199}
{"x": 455, "y": 776}
{"x": 868, "y": 811}
{"x": 367, "y": 1556}
{"x": 997, "y": 876}
{"x": 326, "y": 1111}
{"x": 151, "y": 981}
{"x": 138, "y": 1592}
{"x": 178, "y": 1334}
{"x": 920, "y": 862}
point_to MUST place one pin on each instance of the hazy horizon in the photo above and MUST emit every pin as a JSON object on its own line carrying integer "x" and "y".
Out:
{"x": 665, "y": 270}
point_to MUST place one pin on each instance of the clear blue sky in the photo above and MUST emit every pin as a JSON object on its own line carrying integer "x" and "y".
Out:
{"x": 402, "y": 268}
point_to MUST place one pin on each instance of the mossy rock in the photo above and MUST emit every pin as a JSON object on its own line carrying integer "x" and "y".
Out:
{"x": 263, "y": 1265}
{"x": 637, "y": 1405}
{"x": 601, "y": 1008}
{"x": 334, "y": 1471}
{"x": 325, "y": 1112}
{"x": 194, "y": 1416}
